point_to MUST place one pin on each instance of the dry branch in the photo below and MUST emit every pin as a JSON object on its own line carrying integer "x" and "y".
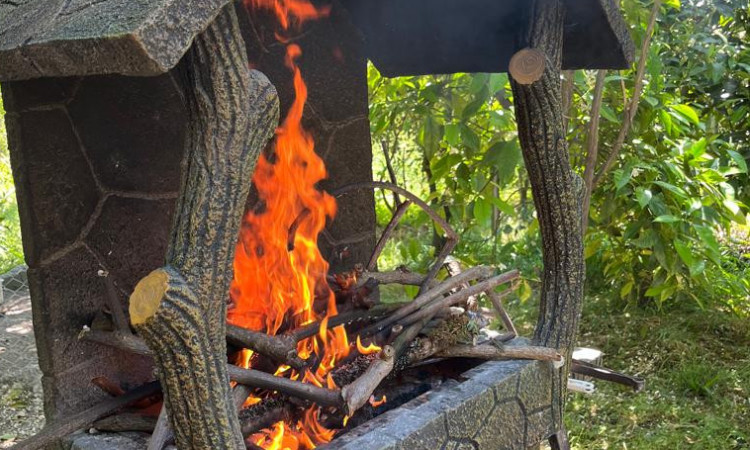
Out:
{"x": 451, "y": 237}
{"x": 592, "y": 146}
{"x": 261, "y": 380}
{"x": 446, "y": 286}
{"x": 356, "y": 394}
{"x": 282, "y": 349}
{"x": 632, "y": 107}
{"x": 115, "y": 306}
{"x": 265, "y": 414}
{"x": 126, "y": 422}
{"x": 446, "y": 302}
{"x": 344, "y": 319}
{"x": 497, "y": 303}
{"x": 387, "y": 233}
{"x": 395, "y": 277}
{"x": 240, "y": 393}
{"x": 248, "y": 377}
{"x": 162, "y": 434}
{"x": 492, "y": 352}
{"x": 61, "y": 428}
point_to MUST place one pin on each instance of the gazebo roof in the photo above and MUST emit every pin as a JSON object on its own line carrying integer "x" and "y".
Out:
{"x": 42, "y": 38}
{"x": 56, "y": 38}
{"x": 416, "y": 37}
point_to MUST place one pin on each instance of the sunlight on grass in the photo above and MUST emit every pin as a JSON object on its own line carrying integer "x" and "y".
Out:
{"x": 697, "y": 373}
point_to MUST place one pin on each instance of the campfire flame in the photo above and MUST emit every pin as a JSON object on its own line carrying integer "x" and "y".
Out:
{"x": 279, "y": 272}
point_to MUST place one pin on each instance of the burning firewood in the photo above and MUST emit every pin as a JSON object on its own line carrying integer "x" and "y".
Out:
{"x": 410, "y": 337}
{"x": 282, "y": 349}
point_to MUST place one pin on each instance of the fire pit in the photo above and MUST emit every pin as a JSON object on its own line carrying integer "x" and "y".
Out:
{"x": 103, "y": 199}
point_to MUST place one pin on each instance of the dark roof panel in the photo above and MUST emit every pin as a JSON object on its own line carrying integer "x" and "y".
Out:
{"x": 414, "y": 37}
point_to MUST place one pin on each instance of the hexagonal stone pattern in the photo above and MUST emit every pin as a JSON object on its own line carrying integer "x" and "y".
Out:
{"x": 119, "y": 441}
{"x": 96, "y": 161}
{"x": 56, "y": 189}
{"x": 504, "y": 429}
{"x": 133, "y": 130}
{"x": 112, "y": 238}
{"x": 464, "y": 416}
{"x": 536, "y": 390}
{"x": 66, "y": 295}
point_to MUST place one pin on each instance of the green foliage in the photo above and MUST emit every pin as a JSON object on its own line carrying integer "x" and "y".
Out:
{"x": 683, "y": 178}
{"x": 451, "y": 141}
{"x": 658, "y": 220}
{"x": 11, "y": 253}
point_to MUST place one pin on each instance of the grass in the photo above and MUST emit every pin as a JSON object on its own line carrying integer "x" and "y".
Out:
{"x": 697, "y": 371}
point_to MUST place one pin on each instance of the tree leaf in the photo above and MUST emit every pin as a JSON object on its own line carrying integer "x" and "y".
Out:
{"x": 626, "y": 289}
{"x": 667, "y": 218}
{"x": 672, "y": 188}
{"x": 739, "y": 160}
{"x": 482, "y": 211}
{"x": 622, "y": 177}
{"x": 686, "y": 255}
{"x": 688, "y": 112}
{"x": 524, "y": 291}
{"x": 609, "y": 114}
{"x": 644, "y": 196}
{"x": 453, "y": 135}
{"x": 469, "y": 138}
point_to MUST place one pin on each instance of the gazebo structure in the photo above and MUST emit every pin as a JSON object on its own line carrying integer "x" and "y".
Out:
{"x": 115, "y": 108}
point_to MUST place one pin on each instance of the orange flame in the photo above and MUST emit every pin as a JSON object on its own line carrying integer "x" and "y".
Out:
{"x": 279, "y": 272}
{"x": 370, "y": 349}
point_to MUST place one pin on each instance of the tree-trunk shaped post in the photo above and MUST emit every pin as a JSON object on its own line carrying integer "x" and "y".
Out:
{"x": 180, "y": 309}
{"x": 557, "y": 189}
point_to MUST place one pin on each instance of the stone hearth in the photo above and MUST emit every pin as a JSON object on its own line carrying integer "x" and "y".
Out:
{"x": 96, "y": 161}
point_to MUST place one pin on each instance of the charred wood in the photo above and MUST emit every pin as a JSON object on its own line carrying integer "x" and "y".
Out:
{"x": 282, "y": 349}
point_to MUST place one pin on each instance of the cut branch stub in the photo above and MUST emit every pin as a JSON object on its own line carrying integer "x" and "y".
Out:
{"x": 170, "y": 319}
{"x": 527, "y": 65}
{"x": 356, "y": 394}
{"x": 179, "y": 309}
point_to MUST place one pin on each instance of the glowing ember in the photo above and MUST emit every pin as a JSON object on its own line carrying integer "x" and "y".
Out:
{"x": 375, "y": 403}
{"x": 279, "y": 271}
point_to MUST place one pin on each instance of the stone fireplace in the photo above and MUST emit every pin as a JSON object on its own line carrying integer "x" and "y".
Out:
{"x": 97, "y": 129}
{"x": 97, "y": 166}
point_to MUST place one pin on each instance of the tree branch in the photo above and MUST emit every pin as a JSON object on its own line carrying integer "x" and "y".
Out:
{"x": 592, "y": 147}
{"x": 632, "y": 107}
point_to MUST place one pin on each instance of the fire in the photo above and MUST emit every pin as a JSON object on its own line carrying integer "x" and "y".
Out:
{"x": 370, "y": 349}
{"x": 279, "y": 272}
{"x": 375, "y": 403}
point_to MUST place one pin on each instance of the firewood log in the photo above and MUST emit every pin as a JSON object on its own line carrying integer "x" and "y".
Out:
{"x": 179, "y": 308}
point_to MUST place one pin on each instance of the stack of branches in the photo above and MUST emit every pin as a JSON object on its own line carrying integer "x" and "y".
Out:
{"x": 443, "y": 321}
